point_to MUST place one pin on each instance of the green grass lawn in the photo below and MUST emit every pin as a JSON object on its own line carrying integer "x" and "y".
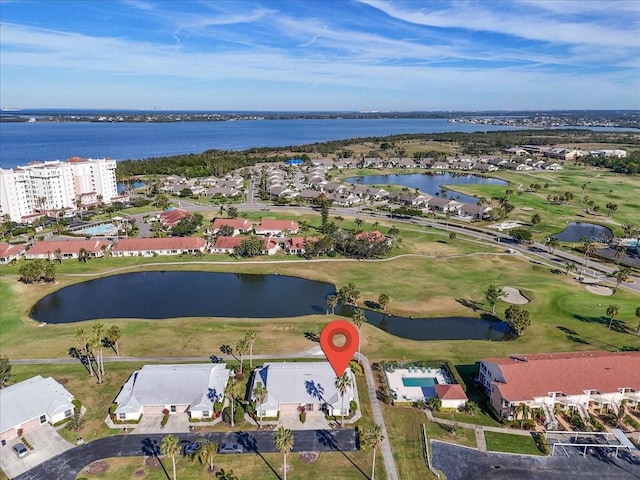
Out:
{"x": 505, "y": 442}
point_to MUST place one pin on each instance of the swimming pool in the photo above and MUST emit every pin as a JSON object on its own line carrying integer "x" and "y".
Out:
{"x": 103, "y": 229}
{"x": 419, "y": 381}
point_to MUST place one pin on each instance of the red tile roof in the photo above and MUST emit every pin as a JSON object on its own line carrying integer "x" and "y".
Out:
{"x": 173, "y": 217}
{"x": 227, "y": 242}
{"x": 150, "y": 244}
{"x": 67, "y": 247}
{"x": 296, "y": 243}
{"x": 529, "y": 376}
{"x": 373, "y": 236}
{"x": 271, "y": 224}
{"x": 450, "y": 392}
{"x": 235, "y": 223}
{"x": 7, "y": 250}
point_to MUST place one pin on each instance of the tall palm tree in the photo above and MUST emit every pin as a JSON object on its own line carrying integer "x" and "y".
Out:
{"x": 621, "y": 275}
{"x": 612, "y": 312}
{"x": 638, "y": 315}
{"x": 206, "y": 453}
{"x": 283, "y": 439}
{"x": 570, "y": 267}
{"x": 250, "y": 338}
{"x": 524, "y": 409}
{"x": 94, "y": 347}
{"x": 552, "y": 243}
{"x": 231, "y": 396}
{"x": 260, "y": 393}
{"x": 383, "y": 301}
{"x": 82, "y": 340}
{"x": 242, "y": 347}
{"x": 373, "y": 437}
{"x": 589, "y": 249}
{"x": 358, "y": 319}
{"x": 332, "y": 303}
{"x": 98, "y": 333}
{"x": 621, "y": 254}
{"x": 342, "y": 383}
{"x": 113, "y": 335}
{"x": 170, "y": 447}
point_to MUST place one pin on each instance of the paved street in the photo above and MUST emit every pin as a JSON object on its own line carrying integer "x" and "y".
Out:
{"x": 67, "y": 465}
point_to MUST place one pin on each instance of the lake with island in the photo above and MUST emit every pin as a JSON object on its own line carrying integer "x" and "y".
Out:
{"x": 175, "y": 294}
{"x": 431, "y": 183}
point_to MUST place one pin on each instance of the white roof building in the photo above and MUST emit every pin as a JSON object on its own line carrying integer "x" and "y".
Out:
{"x": 29, "y": 404}
{"x": 188, "y": 388}
{"x": 308, "y": 384}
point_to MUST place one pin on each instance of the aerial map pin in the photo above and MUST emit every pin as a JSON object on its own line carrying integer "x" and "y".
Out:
{"x": 338, "y": 354}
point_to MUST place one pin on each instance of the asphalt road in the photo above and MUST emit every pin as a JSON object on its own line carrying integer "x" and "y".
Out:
{"x": 461, "y": 463}
{"x": 68, "y": 465}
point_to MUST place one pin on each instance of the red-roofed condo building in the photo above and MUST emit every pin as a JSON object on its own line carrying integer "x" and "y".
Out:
{"x": 56, "y": 185}
{"x": 147, "y": 247}
{"x": 276, "y": 228}
{"x": 66, "y": 249}
{"x": 577, "y": 380}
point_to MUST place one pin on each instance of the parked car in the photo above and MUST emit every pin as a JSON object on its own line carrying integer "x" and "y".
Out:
{"x": 191, "y": 448}
{"x": 20, "y": 450}
{"x": 230, "y": 448}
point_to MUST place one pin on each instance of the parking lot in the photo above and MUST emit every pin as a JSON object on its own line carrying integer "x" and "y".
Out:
{"x": 46, "y": 444}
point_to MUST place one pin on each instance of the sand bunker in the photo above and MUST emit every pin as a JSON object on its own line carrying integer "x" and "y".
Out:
{"x": 513, "y": 295}
{"x": 600, "y": 290}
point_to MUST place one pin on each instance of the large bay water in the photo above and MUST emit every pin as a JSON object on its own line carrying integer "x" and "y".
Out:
{"x": 430, "y": 182}
{"x": 23, "y": 142}
{"x": 165, "y": 295}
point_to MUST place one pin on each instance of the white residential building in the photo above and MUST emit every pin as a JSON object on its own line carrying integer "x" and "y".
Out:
{"x": 56, "y": 185}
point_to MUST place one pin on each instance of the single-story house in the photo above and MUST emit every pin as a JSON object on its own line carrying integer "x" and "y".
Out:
{"x": 451, "y": 395}
{"x": 239, "y": 225}
{"x": 31, "y": 403}
{"x": 476, "y": 211}
{"x": 565, "y": 380}
{"x": 226, "y": 244}
{"x": 9, "y": 253}
{"x": 296, "y": 245}
{"x": 188, "y": 388}
{"x": 274, "y": 228}
{"x": 444, "y": 205}
{"x": 301, "y": 384}
{"x": 147, "y": 247}
{"x": 67, "y": 249}
{"x": 170, "y": 218}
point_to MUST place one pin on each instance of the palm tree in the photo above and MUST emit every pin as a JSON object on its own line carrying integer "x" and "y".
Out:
{"x": 250, "y": 338}
{"x": 638, "y": 315}
{"x": 570, "y": 267}
{"x": 98, "y": 332}
{"x": 83, "y": 255}
{"x": 113, "y": 335}
{"x": 94, "y": 349}
{"x": 552, "y": 243}
{"x": 222, "y": 475}
{"x": 612, "y": 312}
{"x": 332, "y": 303}
{"x": 621, "y": 254}
{"x": 283, "y": 438}
{"x": 524, "y": 413}
{"x": 373, "y": 437}
{"x": 358, "y": 318}
{"x": 260, "y": 393}
{"x": 383, "y": 301}
{"x": 82, "y": 340}
{"x": 231, "y": 396}
{"x": 242, "y": 347}
{"x": 170, "y": 447}
{"x": 342, "y": 383}
{"x": 206, "y": 452}
{"x": 622, "y": 275}
{"x": 589, "y": 249}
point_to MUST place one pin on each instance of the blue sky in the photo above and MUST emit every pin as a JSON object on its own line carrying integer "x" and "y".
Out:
{"x": 320, "y": 55}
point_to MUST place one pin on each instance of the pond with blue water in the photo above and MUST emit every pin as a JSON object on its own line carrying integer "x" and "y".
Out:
{"x": 175, "y": 294}
{"x": 430, "y": 183}
{"x": 578, "y": 231}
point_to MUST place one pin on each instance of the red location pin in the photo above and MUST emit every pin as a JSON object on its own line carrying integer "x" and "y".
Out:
{"x": 339, "y": 356}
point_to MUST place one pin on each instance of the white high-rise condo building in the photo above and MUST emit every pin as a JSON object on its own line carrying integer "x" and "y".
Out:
{"x": 42, "y": 187}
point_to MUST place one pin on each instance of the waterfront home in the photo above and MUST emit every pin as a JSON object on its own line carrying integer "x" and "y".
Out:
{"x": 65, "y": 249}
{"x": 296, "y": 245}
{"x": 229, "y": 244}
{"x": 31, "y": 403}
{"x": 479, "y": 212}
{"x": 148, "y": 247}
{"x": 301, "y": 384}
{"x": 180, "y": 389}
{"x": 9, "y": 253}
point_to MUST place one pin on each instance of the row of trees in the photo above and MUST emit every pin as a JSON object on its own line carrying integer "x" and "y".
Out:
{"x": 37, "y": 270}
{"x": 90, "y": 347}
